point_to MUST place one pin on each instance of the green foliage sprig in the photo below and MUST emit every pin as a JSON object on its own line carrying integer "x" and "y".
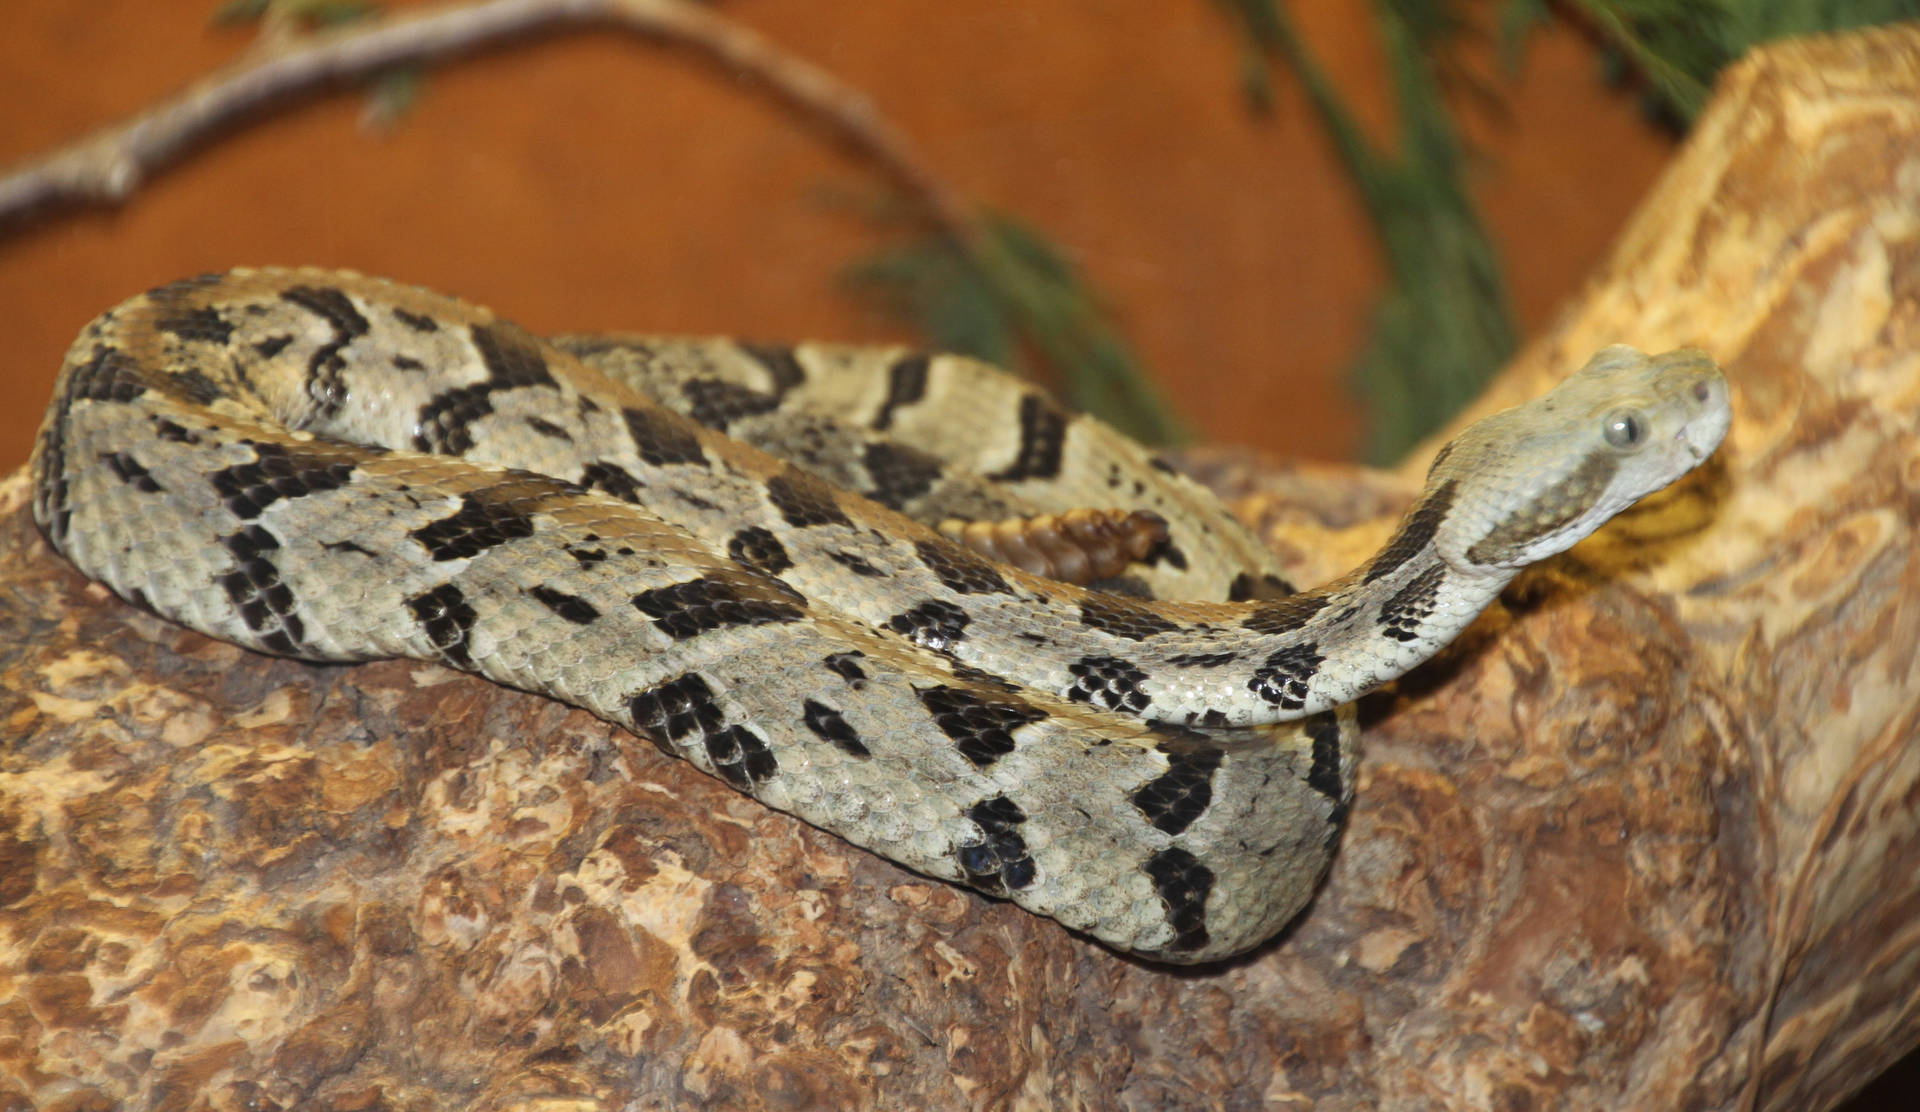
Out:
{"x": 1678, "y": 46}
{"x": 1443, "y": 324}
{"x": 391, "y": 94}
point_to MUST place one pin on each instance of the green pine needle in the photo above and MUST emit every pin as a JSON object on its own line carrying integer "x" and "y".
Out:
{"x": 240, "y": 11}
{"x": 1677, "y": 47}
{"x": 1443, "y": 324}
{"x": 391, "y": 94}
{"x": 313, "y": 13}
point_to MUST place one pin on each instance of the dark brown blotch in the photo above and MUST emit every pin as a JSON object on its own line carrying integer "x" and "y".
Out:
{"x": 1172, "y": 800}
{"x": 804, "y": 501}
{"x": 1043, "y": 439}
{"x": 1184, "y": 885}
{"x": 1415, "y": 533}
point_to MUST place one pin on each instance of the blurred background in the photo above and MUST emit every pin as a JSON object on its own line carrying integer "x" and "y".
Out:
{"x": 1168, "y": 153}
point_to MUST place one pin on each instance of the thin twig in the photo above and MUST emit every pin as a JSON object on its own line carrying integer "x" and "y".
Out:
{"x": 107, "y": 166}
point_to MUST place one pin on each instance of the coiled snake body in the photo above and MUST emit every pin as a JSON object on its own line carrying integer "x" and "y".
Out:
{"x": 333, "y": 467}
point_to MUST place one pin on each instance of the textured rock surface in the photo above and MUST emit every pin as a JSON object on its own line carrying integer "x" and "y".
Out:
{"x": 1644, "y": 837}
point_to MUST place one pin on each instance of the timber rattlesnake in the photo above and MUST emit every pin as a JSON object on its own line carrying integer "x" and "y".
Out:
{"x": 327, "y": 466}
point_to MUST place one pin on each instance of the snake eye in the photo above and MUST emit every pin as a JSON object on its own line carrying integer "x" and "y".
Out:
{"x": 1624, "y": 429}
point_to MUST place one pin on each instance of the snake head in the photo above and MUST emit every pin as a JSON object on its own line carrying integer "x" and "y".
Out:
{"x": 1531, "y": 481}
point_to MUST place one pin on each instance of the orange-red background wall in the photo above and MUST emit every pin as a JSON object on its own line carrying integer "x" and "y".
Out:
{"x": 593, "y": 180}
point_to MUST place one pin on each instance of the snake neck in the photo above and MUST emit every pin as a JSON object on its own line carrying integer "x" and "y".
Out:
{"x": 1513, "y": 489}
{"x": 1317, "y": 650}
{"x": 1232, "y": 665}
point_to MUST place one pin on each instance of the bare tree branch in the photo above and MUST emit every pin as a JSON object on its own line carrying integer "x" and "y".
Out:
{"x": 107, "y": 166}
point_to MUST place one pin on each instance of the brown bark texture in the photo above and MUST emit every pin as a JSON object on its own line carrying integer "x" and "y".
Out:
{"x": 1644, "y": 838}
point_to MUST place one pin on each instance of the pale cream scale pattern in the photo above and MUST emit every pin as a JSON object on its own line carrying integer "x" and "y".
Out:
{"x": 327, "y": 466}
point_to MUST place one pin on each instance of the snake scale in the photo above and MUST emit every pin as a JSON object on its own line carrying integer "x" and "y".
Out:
{"x": 332, "y": 467}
